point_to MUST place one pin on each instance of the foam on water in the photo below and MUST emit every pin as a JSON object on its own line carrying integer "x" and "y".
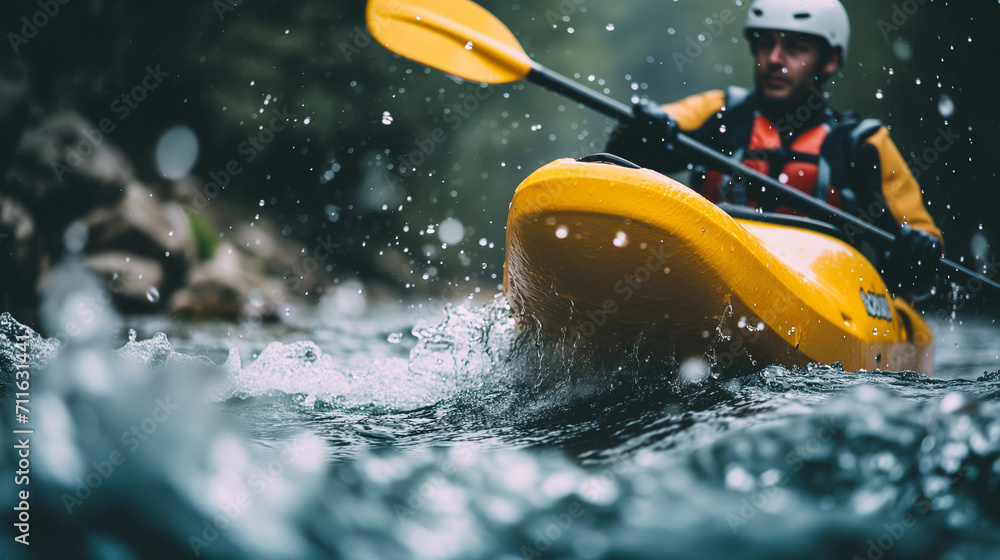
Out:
{"x": 484, "y": 442}
{"x": 451, "y": 356}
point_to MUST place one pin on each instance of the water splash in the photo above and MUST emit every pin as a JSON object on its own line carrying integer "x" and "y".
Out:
{"x": 483, "y": 462}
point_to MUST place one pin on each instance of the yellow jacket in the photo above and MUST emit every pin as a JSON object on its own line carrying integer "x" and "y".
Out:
{"x": 899, "y": 188}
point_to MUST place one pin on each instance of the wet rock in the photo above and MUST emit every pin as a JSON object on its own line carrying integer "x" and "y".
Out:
{"x": 302, "y": 269}
{"x": 189, "y": 192}
{"x": 65, "y": 169}
{"x": 20, "y": 257}
{"x": 150, "y": 253}
{"x": 17, "y": 233}
{"x": 215, "y": 287}
{"x": 16, "y": 223}
{"x": 142, "y": 225}
{"x": 134, "y": 281}
{"x": 231, "y": 284}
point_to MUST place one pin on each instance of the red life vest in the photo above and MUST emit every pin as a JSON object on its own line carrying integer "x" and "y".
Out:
{"x": 800, "y": 165}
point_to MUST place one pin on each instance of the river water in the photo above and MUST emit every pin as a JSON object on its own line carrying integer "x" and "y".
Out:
{"x": 419, "y": 430}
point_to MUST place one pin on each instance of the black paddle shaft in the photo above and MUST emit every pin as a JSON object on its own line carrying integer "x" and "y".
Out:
{"x": 848, "y": 223}
{"x": 762, "y": 186}
{"x": 581, "y": 93}
{"x": 766, "y": 187}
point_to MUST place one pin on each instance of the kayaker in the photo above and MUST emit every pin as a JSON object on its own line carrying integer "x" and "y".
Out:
{"x": 785, "y": 129}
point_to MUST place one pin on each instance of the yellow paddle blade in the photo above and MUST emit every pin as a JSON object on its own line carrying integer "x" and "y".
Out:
{"x": 458, "y": 37}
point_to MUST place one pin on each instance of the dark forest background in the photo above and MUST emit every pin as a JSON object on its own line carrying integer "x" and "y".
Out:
{"x": 921, "y": 66}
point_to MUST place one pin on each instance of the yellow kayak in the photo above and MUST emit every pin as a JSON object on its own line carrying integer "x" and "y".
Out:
{"x": 602, "y": 253}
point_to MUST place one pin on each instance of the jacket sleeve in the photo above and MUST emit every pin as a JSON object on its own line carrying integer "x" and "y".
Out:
{"x": 900, "y": 188}
{"x": 691, "y": 113}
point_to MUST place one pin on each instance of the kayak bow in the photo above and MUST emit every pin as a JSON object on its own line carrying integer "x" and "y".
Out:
{"x": 610, "y": 254}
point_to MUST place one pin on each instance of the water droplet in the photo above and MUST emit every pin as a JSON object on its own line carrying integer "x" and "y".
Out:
{"x": 610, "y": 27}
{"x": 621, "y": 239}
{"x": 75, "y": 238}
{"x": 153, "y": 295}
{"x": 946, "y": 106}
{"x": 956, "y": 402}
{"x": 739, "y": 479}
{"x": 394, "y": 338}
{"x": 176, "y": 152}
{"x": 694, "y": 370}
{"x": 979, "y": 246}
{"x": 386, "y": 118}
{"x": 256, "y": 298}
{"x": 562, "y": 232}
{"x": 451, "y": 231}
{"x": 468, "y": 46}
{"x": 902, "y": 50}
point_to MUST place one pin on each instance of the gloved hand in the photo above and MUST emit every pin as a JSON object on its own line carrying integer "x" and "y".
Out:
{"x": 653, "y": 123}
{"x": 910, "y": 267}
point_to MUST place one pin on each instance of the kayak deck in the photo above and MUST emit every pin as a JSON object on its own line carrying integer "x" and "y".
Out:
{"x": 610, "y": 254}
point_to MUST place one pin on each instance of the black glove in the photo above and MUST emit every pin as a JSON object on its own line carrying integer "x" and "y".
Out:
{"x": 910, "y": 267}
{"x": 654, "y": 124}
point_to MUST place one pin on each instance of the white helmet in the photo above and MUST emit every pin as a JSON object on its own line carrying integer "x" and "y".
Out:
{"x": 824, "y": 18}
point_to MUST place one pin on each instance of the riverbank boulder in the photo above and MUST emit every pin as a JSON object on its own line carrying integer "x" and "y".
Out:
{"x": 153, "y": 254}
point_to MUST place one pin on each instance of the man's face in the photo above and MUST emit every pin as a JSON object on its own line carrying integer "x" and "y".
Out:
{"x": 787, "y": 64}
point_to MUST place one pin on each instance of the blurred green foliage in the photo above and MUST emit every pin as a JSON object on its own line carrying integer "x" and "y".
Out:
{"x": 339, "y": 172}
